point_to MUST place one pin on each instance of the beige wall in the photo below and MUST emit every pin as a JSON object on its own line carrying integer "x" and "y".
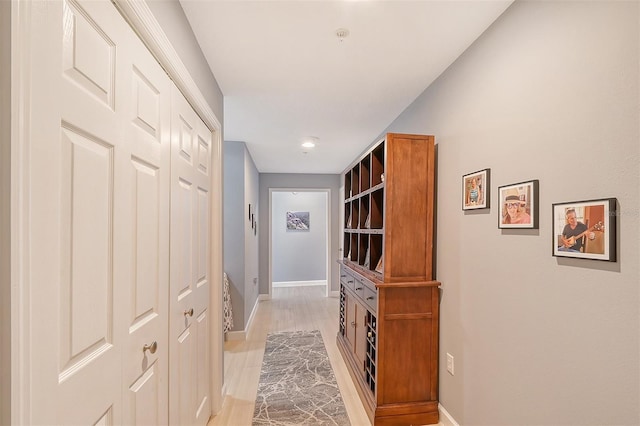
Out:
{"x": 549, "y": 92}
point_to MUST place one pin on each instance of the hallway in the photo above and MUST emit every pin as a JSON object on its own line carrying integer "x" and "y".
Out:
{"x": 291, "y": 309}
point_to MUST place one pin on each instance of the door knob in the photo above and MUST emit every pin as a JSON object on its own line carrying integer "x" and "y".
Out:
{"x": 152, "y": 348}
{"x": 188, "y": 313}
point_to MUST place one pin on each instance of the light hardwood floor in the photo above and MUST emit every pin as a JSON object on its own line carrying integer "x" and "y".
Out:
{"x": 290, "y": 309}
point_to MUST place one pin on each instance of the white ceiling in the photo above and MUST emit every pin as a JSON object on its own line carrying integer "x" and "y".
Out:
{"x": 286, "y": 76}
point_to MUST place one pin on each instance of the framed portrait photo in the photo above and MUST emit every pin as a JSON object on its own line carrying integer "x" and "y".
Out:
{"x": 475, "y": 190}
{"x": 585, "y": 229}
{"x": 518, "y": 205}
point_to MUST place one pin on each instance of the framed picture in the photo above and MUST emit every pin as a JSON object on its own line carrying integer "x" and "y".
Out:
{"x": 475, "y": 190}
{"x": 298, "y": 221}
{"x": 585, "y": 229}
{"x": 518, "y": 205}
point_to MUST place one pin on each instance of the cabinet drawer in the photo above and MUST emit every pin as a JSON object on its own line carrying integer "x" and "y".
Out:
{"x": 349, "y": 282}
{"x": 371, "y": 298}
{"x": 343, "y": 274}
{"x": 359, "y": 287}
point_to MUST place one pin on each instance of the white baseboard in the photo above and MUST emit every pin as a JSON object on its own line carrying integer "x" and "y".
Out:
{"x": 299, "y": 283}
{"x": 445, "y": 418}
{"x": 242, "y": 335}
{"x": 236, "y": 335}
{"x": 334, "y": 294}
{"x": 264, "y": 297}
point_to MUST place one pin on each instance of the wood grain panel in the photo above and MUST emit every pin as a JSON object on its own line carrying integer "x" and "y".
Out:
{"x": 406, "y": 208}
{"x": 405, "y": 344}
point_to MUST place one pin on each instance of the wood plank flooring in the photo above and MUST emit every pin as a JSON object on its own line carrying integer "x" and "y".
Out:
{"x": 290, "y": 309}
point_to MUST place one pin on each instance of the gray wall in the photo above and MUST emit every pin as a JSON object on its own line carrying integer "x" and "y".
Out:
{"x": 5, "y": 203}
{"x": 299, "y": 255}
{"x": 171, "y": 17}
{"x": 240, "y": 244}
{"x": 252, "y": 178}
{"x": 549, "y": 92}
{"x": 234, "y": 227}
{"x": 291, "y": 182}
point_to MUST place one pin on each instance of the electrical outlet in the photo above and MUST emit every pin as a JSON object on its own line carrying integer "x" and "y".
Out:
{"x": 450, "y": 363}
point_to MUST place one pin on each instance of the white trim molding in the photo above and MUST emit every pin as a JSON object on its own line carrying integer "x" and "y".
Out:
{"x": 21, "y": 30}
{"x": 242, "y": 335}
{"x": 299, "y": 283}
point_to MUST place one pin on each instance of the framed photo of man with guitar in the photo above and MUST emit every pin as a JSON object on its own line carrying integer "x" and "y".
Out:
{"x": 585, "y": 229}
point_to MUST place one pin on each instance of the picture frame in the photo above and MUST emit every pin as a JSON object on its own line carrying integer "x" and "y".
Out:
{"x": 476, "y": 190}
{"x": 298, "y": 221}
{"x": 585, "y": 229}
{"x": 518, "y": 205}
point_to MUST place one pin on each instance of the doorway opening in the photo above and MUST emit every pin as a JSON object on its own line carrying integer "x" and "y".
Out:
{"x": 299, "y": 238}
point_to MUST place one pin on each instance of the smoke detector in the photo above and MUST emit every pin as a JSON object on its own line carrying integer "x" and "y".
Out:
{"x": 342, "y": 33}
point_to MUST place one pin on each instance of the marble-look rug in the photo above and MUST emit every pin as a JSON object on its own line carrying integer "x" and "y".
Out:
{"x": 297, "y": 385}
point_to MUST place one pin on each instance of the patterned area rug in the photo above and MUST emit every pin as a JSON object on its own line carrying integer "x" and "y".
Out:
{"x": 297, "y": 385}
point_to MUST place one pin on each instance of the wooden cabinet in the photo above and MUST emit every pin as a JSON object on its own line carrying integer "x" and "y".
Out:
{"x": 389, "y": 303}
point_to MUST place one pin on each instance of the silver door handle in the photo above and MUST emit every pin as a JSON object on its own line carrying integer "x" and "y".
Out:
{"x": 152, "y": 348}
{"x": 188, "y": 313}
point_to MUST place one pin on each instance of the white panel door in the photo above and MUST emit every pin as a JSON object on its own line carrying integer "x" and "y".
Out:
{"x": 145, "y": 233}
{"x": 98, "y": 191}
{"x": 190, "y": 395}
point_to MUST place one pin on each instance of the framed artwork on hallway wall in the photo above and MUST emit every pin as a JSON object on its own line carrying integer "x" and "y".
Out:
{"x": 585, "y": 229}
{"x": 518, "y": 205}
{"x": 298, "y": 221}
{"x": 475, "y": 190}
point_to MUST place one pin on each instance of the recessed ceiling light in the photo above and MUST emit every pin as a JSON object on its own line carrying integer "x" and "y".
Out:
{"x": 309, "y": 142}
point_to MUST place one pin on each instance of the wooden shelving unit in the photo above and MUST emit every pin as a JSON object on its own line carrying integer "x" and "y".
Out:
{"x": 389, "y": 302}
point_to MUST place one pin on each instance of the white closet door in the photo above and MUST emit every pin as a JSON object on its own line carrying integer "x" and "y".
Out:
{"x": 98, "y": 191}
{"x": 145, "y": 179}
{"x": 190, "y": 394}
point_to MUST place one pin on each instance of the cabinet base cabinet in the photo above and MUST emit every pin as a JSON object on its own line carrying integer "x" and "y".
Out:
{"x": 397, "y": 381}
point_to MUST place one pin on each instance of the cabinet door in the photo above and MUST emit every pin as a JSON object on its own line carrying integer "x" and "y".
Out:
{"x": 350, "y": 305}
{"x": 360, "y": 348}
